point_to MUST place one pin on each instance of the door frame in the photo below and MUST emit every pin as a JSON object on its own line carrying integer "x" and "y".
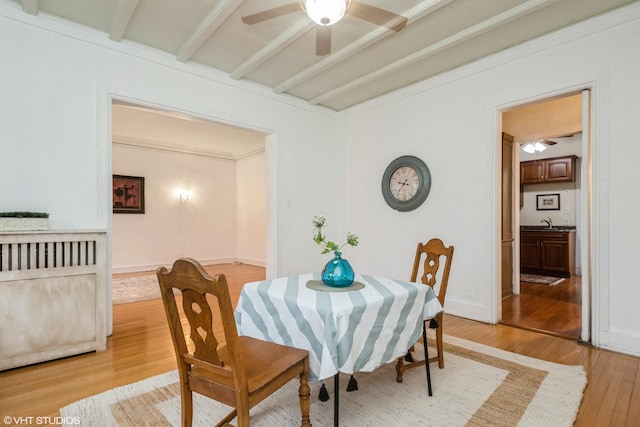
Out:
{"x": 105, "y": 97}
{"x": 587, "y": 205}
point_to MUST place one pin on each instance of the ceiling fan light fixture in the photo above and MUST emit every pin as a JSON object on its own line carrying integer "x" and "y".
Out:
{"x": 534, "y": 147}
{"x": 325, "y": 12}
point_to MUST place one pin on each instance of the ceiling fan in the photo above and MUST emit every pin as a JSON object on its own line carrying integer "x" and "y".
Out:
{"x": 318, "y": 12}
{"x": 541, "y": 144}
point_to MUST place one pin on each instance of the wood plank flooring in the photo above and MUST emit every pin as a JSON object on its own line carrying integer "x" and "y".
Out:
{"x": 141, "y": 347}
{"x": 555, "y": 310}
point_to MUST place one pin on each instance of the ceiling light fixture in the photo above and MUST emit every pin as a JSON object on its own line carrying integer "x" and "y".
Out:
{"x": 534, "y": 147}
{"x": 325, "y": 12}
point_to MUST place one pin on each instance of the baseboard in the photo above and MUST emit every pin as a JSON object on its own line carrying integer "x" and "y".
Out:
{"x": 467, "y": 310}
{"x": 620, "y": 342}
{"x": 152, "y": 268}
{"x": 251, "y": 262}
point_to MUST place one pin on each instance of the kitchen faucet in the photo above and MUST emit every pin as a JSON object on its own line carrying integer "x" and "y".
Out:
{"x": 548, "y": 221}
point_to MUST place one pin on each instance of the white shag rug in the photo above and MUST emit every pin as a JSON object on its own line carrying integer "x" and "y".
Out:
{"x": 479, "y": 385}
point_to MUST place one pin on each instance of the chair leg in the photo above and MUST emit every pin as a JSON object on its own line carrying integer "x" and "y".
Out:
{"x": 187, "y": 407}
{"x": 304, "y": 392}
{"x": 426, "y": 357}
{"x": 242, "y": 416}
{"x": 400, "y": 369}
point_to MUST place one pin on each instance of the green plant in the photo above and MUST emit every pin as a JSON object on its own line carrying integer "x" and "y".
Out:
{"x": 329, "y": 246}
{"x": 24, "y": 215}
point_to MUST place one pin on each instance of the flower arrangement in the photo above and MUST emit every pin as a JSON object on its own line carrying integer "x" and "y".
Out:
{"x": 329, "y": 246}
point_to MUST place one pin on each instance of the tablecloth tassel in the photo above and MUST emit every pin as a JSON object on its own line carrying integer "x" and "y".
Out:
{"x": 433, "y": 324}
{"x": 353, "y": 384}
{"x": 324, "y": 394}
{"x": 408, "y": 357}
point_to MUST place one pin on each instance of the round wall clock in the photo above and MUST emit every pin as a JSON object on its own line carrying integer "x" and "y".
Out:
{"x": 406, "y": 183}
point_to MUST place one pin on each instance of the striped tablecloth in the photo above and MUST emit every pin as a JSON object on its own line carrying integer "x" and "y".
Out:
{"x": 348, "y": 331}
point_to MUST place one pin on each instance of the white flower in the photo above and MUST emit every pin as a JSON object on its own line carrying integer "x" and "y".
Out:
{"x": 329, "y": 246}
{"x": 318, "y": 221}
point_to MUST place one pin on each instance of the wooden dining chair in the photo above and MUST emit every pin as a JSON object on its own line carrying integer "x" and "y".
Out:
{"x": 429, "y": 256}
{"x": 242, "y": 371}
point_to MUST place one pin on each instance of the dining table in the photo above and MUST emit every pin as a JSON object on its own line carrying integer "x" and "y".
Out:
{"x": 353, "y": 329}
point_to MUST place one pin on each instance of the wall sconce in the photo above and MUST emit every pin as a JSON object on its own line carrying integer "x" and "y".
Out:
{"x": 183, "y": 194}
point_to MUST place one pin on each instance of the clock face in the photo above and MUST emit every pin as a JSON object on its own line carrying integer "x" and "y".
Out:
{"x": 406, "y": 183}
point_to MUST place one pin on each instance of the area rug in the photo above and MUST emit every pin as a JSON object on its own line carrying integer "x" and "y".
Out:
{"x": 479, "y": 386}
{"x": 133, "y": 289}
{"x": 542, "y": 280}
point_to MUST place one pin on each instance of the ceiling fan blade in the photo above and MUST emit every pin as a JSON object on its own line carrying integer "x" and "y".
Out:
{"x": 566, "y": 135}
{"x": 547, "y": 142}
{"x": 271, "y": 13}
{"x": 323, "y": 40}
{"x": 377, "y": 16}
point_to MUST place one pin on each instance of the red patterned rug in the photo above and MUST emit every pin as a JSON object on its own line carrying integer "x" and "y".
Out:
{"x": 542, "y": 280}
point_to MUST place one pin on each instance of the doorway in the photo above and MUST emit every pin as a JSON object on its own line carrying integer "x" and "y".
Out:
{"x": 205, "y": 189}
{"x": 173, "y": 164}
{"x": 554, "y": 307}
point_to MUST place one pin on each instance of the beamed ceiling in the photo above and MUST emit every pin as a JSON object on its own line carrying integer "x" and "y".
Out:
{"x": 366, "y": 59}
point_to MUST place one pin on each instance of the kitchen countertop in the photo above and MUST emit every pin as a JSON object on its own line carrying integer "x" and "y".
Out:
{"x": 555, "y": 228}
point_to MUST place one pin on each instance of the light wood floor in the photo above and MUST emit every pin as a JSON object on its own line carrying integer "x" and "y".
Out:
{"x": 556, "y": 310}
{"x": 141, "y": 347}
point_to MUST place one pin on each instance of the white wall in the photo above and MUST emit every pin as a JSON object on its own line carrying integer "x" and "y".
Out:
{"x": 452, "y": 123}
{"x": 203, "y": 227}
{"x": 251, "y": 209}
{"x": 567, "y": 196}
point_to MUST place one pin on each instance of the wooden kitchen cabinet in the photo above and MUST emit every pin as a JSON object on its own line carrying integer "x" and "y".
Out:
{"x": 547, "y": 252}
{"x": 531, "y": 172}
{"x": 556, "y": 169}
{"x": 529, "y": 252}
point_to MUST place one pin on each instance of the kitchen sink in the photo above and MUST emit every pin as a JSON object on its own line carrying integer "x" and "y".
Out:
{"x": 560, "y": 228}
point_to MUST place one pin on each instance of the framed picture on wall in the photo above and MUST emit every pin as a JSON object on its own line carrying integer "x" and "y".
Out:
{"x": 128, "y": 194}
{"x": 548, "y": 202}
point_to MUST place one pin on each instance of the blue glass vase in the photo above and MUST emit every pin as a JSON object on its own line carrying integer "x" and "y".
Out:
{"x": 338, "y": 272}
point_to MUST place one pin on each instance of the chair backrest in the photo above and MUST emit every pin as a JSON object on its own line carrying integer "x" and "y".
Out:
{"x": 431, "y": 275}
{"x": 195, "y": 284}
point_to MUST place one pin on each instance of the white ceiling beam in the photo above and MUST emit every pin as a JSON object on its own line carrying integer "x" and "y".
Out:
{"x": 300, "y": 28}
{"x": 121, "y": 18}
{"x": 412, "y": 15}
{"x": 207, "y": 27}
{"x": 31, "y": 6}
{"x": 487, "y": 25}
